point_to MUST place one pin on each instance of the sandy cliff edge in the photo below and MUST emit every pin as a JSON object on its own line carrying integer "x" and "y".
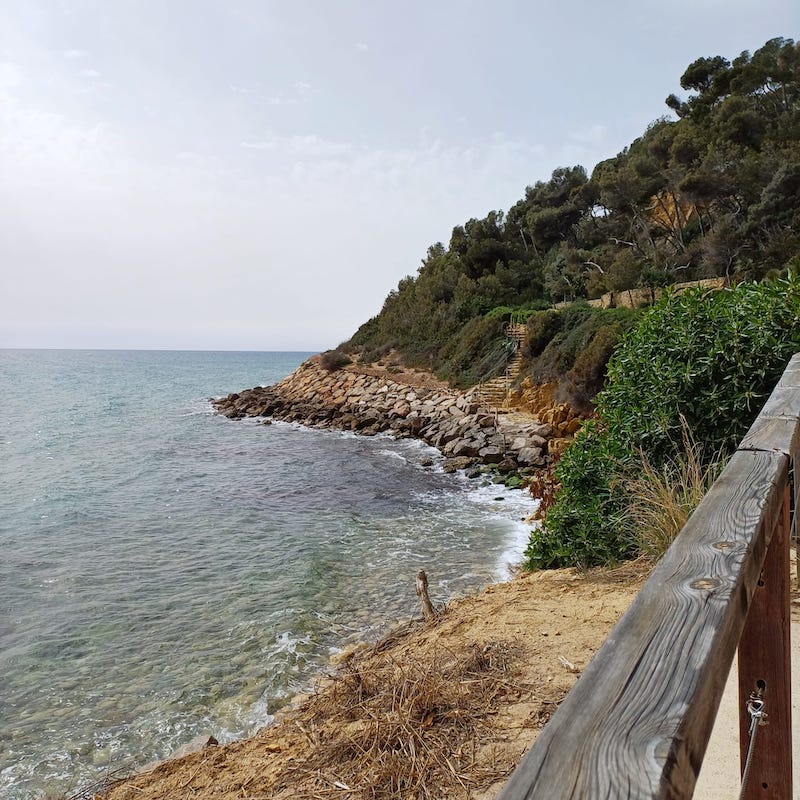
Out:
{"x": 451, "y": 704}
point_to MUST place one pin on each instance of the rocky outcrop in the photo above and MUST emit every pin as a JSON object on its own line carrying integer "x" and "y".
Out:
{"x": 455, "y": 423}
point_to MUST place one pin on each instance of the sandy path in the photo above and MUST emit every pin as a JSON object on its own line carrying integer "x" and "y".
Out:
{"x": 719, "y": 778}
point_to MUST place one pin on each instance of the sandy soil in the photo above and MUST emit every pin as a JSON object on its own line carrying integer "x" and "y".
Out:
{"x": 443, "y": 709}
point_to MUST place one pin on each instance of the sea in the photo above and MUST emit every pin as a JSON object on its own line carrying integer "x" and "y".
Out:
{"x": 167, "y": 573}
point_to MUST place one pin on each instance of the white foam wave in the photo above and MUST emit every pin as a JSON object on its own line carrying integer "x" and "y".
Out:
{"x": 515, "y": 507}
{"x": 392, "y": 454}
{"x": 198, "y": 407}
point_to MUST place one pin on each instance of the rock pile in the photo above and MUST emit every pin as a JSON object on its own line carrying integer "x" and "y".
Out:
{"x": 346, "y": 399}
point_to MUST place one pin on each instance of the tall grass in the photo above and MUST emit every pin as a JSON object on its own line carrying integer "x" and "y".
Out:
{"x": 661, "y": 498}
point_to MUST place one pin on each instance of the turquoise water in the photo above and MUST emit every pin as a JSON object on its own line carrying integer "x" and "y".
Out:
{"x": 165, "y": 572}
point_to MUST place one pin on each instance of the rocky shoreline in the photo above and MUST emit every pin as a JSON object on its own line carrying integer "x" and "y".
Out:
{"x": 368, "y": 401}
{"x": 468, "y": 434}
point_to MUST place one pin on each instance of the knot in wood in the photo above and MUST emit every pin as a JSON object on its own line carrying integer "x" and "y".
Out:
{"x": 705, "y": 583}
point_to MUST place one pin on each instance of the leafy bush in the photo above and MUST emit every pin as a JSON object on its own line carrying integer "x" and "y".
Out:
{"x": 712, "y": 358}
{"x": 587, "y": 375}
{"x": 573, "y": 346}
{"x": 709, "y": 358}
{"x": 577, "y": 530}
{"x": 478, "y": 353}
{"x": 332, "y": 360}
{"x": 541, "y": 328}
{"x": 500, "y": 312}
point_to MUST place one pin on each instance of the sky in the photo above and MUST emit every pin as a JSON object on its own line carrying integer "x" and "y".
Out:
{"x": 258, "y": 175}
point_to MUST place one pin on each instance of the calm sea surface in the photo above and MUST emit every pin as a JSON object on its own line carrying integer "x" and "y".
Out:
{"x": 165, "y": 572}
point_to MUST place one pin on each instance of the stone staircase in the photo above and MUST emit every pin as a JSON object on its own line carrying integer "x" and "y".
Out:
{"x": 494, "y": 393}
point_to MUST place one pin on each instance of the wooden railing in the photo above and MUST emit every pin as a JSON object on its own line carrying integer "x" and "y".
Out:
{"x": 637, "y": 723}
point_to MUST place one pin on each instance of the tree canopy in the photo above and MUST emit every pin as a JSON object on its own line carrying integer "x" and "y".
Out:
{"x": 711, "y": 190}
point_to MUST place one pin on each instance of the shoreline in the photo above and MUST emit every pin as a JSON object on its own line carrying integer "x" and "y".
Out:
{"x": 368, "y": 401}
{"x": 504, "y": 517}
{"x": 435, "y": 417}
{"x": 513, "y": 648}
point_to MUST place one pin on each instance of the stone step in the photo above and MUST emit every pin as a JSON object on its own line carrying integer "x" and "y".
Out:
{"x": 494, "y": 388}
{"x": 494, "y": 393}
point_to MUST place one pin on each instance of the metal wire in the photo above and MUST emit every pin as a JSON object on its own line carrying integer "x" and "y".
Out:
{"x": 758, "y": 718}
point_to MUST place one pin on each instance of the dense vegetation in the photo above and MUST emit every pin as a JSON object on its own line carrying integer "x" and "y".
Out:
{"x": 572, "y": 347}
{"x": 712, "y": 191}
{"x": 700, "y": 361}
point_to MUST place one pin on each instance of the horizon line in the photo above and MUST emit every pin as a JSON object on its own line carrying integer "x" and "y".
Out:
{"x": 163, "y": 349}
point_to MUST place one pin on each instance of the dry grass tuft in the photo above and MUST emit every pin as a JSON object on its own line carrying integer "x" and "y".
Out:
{"x": 407, "y": 729}
{"x": 663, "y": 498}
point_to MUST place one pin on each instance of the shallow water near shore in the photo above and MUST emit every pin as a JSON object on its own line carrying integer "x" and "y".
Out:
{"x": 165, "y": 572}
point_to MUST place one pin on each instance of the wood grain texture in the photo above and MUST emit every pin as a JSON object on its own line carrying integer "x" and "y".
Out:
{"x": 781, "y": 434}
{"x": 637, "y": 723}
{"x": 791, "y": 375}
{"x": 777, "y": 427}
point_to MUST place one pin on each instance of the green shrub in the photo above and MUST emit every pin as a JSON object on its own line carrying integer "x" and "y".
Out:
{"x": 580, "y": 527}
{"x": 541, "y": 328}
{"x": 573, "y": 346}
{"x": 471, "y": 356}
{"x": 587, "y": 375}
{"x": 500, "y": 312}
{"x": 707, "y": 358}
{"x": 370, "y": 355}
{"x": 520, "y": 316}
{"x": 711, "y": 357}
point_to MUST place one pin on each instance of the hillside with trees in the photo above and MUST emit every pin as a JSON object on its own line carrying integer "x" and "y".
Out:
{"x": 712, "y": 189}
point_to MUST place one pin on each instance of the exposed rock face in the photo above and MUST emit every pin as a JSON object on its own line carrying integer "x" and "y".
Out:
{"x": 347, "y": 399}
{"x": 539, "y": 400}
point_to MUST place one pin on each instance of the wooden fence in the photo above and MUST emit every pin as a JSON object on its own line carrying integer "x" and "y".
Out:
{"x": 637, "y": 723}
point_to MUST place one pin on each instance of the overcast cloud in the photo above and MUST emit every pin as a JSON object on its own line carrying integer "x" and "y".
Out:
{"x": 259, "y": 175}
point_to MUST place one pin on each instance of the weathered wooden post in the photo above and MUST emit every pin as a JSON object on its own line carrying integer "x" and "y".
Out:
{"x": 424, "y": 597}
{"x": 765, "y": 647}
{"x": 765, "y": 668}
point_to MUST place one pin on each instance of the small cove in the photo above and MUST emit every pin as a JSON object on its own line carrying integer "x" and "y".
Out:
{"x": 165, "y": 572}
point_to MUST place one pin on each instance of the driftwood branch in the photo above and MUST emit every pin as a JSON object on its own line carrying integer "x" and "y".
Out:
{"x": 424, "y": 597}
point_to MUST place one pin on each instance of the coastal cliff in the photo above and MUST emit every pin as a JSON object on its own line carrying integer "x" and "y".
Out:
{"x": 369, "y": 401}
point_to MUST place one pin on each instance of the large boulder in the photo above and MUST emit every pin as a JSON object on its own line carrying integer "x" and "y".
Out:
{"x": 464, "y": 447}
{"x": 454, "y": 464}
{"x": 491, "y": 454}
{"x": 531, "y": 457}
